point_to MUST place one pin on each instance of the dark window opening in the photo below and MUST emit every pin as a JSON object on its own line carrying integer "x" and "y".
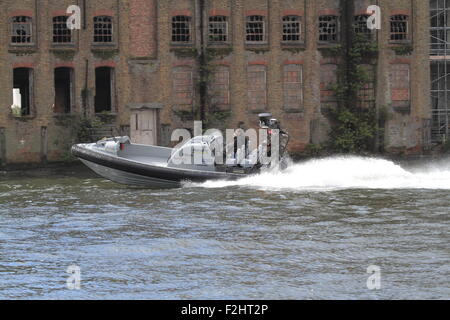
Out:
{"x": 22, "y": 85}
{"x": 63, "y": 90}
{"x": 218, "y": 29}
{"x": 255, "y": 29}
{"x": 21, "y": 30}
{"x": 291, "y": 28}
{"x": 103, "y": 29}
{"x": 103, "y": 89}
{"x": 61, "y": 34}
{"x": 360, "y": 26}
{"x": 328, "y": 28}
{"x": 399, "y": 27}
{"x": 181, "y": 29}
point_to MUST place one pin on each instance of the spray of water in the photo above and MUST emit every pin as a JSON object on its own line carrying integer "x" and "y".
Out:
{"x": 345, "y": 173}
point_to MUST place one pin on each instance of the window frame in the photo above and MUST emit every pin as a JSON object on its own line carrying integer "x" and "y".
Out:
{"x": 214, "y": 92}
{"x": 252, "y": 93}
{"x": 264, "y": 30}
{"x": 337, "y": 28}
{"x": 31, "y": 97}
{"x": 112, "y": 88}
{"x": 357, "y": 25}
{"x": 179, "y": 88}
{"x": 190, "y": 33}
{"x": 286, "y": 69}
{"x": 12, "y": 28}
{"x": 94, "y": 34}
{"x": 70, "y": 35}
{"x": 72, "y": 91}
{"x": 227, "y": 29}
{"x": 283, "y": 34}
{"x": 392, "y": 33}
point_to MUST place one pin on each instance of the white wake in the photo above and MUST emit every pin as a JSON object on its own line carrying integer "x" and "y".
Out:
{"x": 346, "y": 173}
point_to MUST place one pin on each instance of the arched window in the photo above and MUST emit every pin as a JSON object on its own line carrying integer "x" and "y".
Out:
{"x": 22, "y": 91}
{"x": 104, "y": 89}
{"x": 255, "y": 29}
{"x": 181, "y": 29}
{"x": 61, "y": 34}
{"x": 103, "y": 29}
{"x": 292, "y": 86}
{"x": 291, "y": 29}
{"x": 257, "y": 87}
{"x": 21, "y": 30}
{"x": 183, "y": 85}
{"x": 63, "y": 79}
{"x": 218, "y": 29}
{"x": 399, "y": 27}
{"x": 219, "y": 88}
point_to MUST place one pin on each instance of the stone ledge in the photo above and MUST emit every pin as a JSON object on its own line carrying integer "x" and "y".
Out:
{"x": 145, "y": 106}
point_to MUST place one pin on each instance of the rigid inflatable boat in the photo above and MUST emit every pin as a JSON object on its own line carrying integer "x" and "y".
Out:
{"x": 121, "y": 161}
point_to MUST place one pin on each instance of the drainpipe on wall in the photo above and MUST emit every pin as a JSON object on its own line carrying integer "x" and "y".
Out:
{"x": 84, "y": 94}
{"x": 202, "y": 61}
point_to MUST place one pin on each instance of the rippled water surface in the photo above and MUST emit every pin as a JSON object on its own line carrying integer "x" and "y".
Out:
{"x": 310, "y": 233}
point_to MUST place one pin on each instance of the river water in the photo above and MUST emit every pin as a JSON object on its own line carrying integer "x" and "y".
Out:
{"x": 308, "y": 233}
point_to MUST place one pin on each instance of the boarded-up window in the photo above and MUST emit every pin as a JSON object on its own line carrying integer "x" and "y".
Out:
{"x": 366, "y": 93}
{"x": 400, "y": 80}
{"x": 219, "y": 88}
{"x": 183, "y": 85}
{"x": 292, "y": 86}
{"x": 257, "y": 87}
{"x": 328, "y": 77}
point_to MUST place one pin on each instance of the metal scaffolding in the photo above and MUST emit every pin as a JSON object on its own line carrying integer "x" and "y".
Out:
{"x": 440, "y": 69}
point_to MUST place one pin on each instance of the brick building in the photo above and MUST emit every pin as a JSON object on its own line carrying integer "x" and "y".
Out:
{"x": 149, "y": 66}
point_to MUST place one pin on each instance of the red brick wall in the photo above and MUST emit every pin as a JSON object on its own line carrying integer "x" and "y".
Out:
{"x": 142, "y": 28}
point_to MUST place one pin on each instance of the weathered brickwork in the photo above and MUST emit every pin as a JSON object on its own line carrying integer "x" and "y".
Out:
{"x": 258, "y": 55}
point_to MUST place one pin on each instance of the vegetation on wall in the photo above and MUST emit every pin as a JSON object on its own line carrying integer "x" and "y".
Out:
{"x": 403, "y": 50}
{"x": 446, "y": 147}
{"x": 355, "y": 129}
{"x": 80, "y": 130}
{"x": 80, "y": 126}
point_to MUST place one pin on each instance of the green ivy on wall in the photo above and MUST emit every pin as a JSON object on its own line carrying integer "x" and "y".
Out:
{"x": 355, "y": 129}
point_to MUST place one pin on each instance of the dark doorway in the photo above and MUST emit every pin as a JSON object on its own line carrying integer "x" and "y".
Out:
{"x": 22, "y": 80}
{"x": 103, "y": 89}
{"x": 63, "y": 90}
